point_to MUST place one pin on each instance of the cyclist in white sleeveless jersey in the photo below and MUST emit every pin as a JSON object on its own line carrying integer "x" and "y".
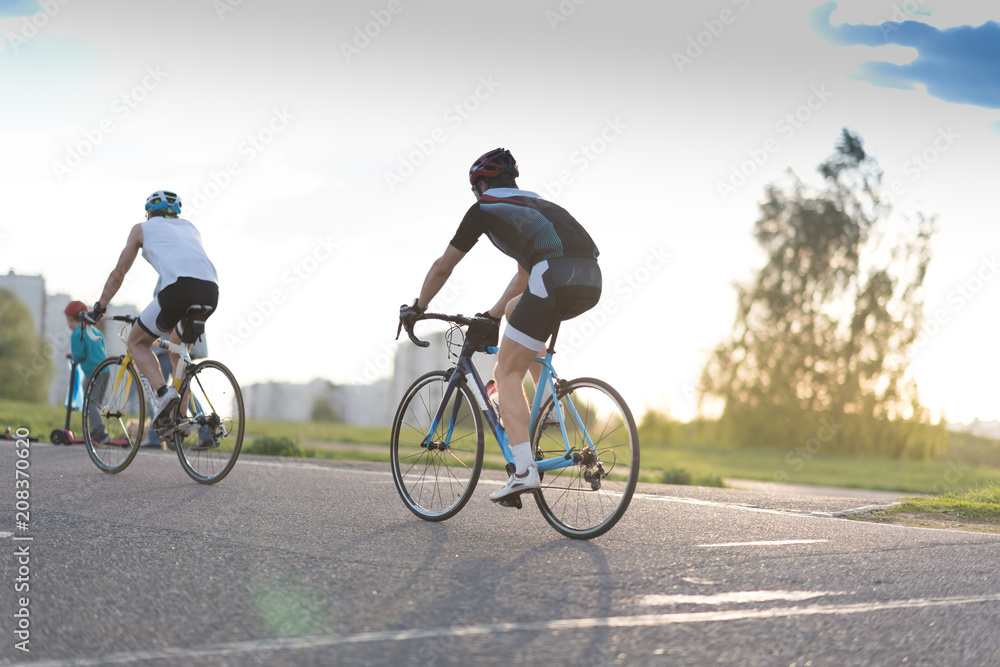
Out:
{"x": 187, "y": 277}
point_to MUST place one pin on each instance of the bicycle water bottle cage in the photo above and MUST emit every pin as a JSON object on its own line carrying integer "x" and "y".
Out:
{"x": 194, "y": 323}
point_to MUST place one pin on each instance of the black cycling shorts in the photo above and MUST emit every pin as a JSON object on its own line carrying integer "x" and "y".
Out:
{"x": 558, "y": 289}
{"x": 171, "y": 304}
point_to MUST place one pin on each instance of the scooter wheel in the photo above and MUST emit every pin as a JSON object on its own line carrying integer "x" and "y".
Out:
{"x": 58, "y": 437}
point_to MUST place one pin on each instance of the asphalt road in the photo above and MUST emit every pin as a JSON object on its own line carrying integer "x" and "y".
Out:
{"x": 290, "y": 562}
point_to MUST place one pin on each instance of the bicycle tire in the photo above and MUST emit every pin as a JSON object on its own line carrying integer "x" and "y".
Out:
{"x": 436, "y": 483}
{"x": 209, "y": 443}
{"x": 586, "y": 499}
{"x": 121, "y": 402}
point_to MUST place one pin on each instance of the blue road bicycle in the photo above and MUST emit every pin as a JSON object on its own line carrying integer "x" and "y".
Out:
{"x": 587, "y": 449}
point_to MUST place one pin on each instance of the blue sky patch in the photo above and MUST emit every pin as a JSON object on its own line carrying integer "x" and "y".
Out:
{"x": 19, "y": 7}
{"x": 960, "y": 64}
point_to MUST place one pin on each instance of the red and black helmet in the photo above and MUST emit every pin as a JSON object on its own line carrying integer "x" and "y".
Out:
{"x": 496, "y": 162}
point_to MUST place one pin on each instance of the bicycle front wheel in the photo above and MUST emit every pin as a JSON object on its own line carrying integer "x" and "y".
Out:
{"x": 436, "y": 466}
{"x": 209, "y": 422}
{"x": 114, "y": 413}
{"x": 587, "y": 497}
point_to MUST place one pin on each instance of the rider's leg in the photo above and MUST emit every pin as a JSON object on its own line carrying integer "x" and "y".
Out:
{"x": 513, "y": 361}
{"x": 139, "y": 342}
{"x": 176, "y": 339}
{"x": 534, "y": 369}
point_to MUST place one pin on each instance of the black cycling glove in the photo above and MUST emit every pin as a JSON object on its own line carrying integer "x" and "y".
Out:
{"x": 95, "y": 314}
{"x": 408, "y": 316}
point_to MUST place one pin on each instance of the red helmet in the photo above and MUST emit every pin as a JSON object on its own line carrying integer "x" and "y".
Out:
{"x": 75, "y": 307}
{"x": 496, "y": 162}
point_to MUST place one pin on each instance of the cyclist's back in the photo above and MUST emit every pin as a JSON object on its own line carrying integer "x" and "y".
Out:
{"x": 173, "y": 247}
{"x": 525, "y": 227}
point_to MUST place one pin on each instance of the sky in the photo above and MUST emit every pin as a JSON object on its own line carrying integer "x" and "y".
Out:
{"x": 323, "y": 151}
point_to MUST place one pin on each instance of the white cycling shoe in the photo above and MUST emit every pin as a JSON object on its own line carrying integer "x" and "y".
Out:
{"x": 516, "y": 485}
{"x": 163, "y": 403}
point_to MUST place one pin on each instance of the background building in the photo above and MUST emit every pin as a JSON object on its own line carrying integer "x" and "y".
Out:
{"x": 47, "y": 310}
{"x": 371, "y": 404}
{"x": 366, "y": 402}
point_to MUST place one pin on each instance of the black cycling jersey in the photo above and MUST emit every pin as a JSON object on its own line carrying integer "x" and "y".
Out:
{"x": 525, "y": 227}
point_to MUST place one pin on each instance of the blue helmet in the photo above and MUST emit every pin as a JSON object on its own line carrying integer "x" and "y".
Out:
{"x": 165, "y": 201}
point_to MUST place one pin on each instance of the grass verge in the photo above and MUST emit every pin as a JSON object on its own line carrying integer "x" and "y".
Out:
{"x": 947, "y": 474}
{"x": 978, "y": 510}
{"x": 971, "y": 463}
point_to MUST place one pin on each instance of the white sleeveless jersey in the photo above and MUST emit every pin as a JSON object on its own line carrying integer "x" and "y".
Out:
{"x": 173, "y": 247}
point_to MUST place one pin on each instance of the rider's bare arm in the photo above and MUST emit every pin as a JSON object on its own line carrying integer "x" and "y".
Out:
{"x": 516, "y": 287}
{"x": 125, "y": 260}
{"x": 439, "y": 273}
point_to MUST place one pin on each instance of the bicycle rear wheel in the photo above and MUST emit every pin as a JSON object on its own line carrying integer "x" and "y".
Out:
{"x": 114, "y": 413}
{"x": 587, "y": 498}
{"x": 209, "y": 423}
{"x": 436, "y": 476}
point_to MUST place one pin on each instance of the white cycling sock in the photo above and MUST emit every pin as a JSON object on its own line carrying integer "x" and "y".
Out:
{"x": 522, "y": 457}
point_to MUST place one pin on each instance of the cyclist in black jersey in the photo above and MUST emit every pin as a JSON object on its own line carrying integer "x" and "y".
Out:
{"x": 557, "y": 278}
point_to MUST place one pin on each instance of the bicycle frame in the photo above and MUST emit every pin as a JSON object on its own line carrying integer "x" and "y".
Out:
{"x": 179, "y": 370}
{"x": 548, "y": 378}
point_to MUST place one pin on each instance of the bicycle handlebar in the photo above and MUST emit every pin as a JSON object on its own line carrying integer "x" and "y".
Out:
{"x": 453, "y": 319}
{"x": 89, "y": 319}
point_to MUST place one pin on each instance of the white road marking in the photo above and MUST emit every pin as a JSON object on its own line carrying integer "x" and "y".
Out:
{"x": 310, "y": 466}
{"x": 761, "y": 510}
{"x": 771, "y": 543}
{"x": 313, "y": 643}
{"x": 5, "y": 534}
{"x": 713, "y": 503}
{"x": 734, "y": 597}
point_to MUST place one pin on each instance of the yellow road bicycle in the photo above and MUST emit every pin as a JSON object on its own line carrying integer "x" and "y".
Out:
{"x": 205, "y": 427}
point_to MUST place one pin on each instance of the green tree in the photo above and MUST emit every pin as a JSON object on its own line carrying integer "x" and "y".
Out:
{"x": 25, "y": 364}
{"x": 823, "y": 330}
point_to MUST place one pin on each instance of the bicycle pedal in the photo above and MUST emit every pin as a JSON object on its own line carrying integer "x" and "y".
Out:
{"x": 513, "y": 501}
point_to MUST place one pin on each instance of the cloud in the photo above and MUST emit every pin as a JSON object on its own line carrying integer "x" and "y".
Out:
{"x": 959, "y": 64}
{"x": 19, "y": 7}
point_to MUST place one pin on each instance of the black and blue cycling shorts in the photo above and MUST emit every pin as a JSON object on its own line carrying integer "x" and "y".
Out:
{"x": 558, "y": 289}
